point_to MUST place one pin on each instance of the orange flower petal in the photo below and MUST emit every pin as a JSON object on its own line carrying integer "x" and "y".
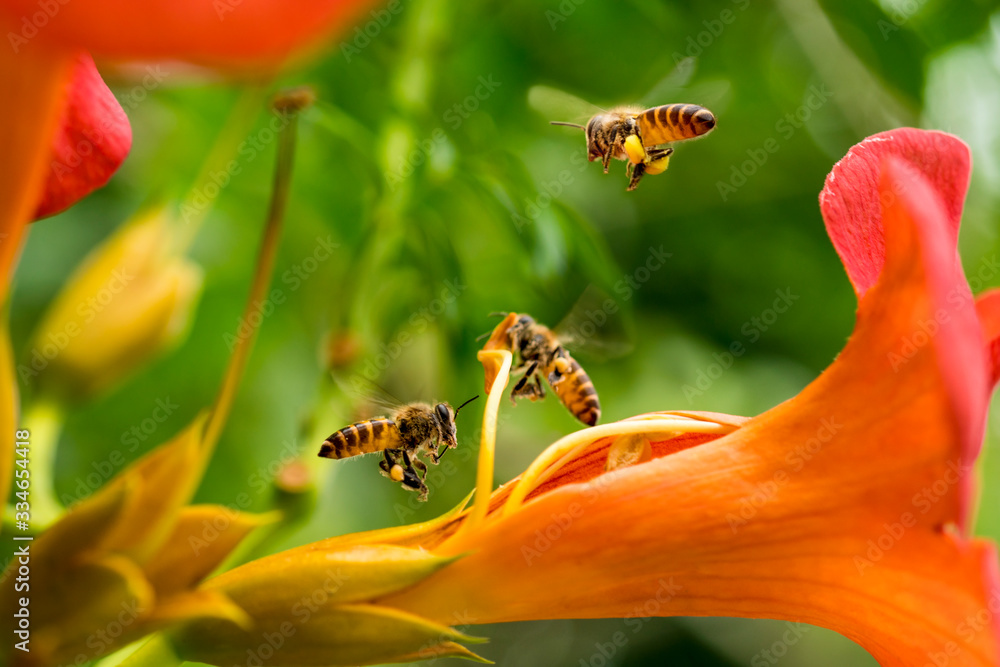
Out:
{"x": 217, "y": 32}
{"x": 35, "y": 92}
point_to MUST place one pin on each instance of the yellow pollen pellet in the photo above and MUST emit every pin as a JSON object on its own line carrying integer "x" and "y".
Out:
{"x": 633, "y": 147}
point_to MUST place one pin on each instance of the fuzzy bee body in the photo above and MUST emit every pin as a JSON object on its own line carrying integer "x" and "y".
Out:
{"x": 543, "y": 355}
{"x": 414, "y": 430}
{"x": 634, "y": 135}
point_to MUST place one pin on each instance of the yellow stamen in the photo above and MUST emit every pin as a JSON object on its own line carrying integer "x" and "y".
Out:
{"x": 575, "y": 444}
{"x": 487, "y": 442}
{"x": 497, "y": 364}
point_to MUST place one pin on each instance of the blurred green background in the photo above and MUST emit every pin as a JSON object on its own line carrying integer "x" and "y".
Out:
{"x": 433, "y": 184}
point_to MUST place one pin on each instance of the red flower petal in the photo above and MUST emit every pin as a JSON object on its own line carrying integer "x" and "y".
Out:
{"x": 93, "y": 139}
{"x": 210, "y": 31}
{"x": 851, "y": 204}
{"x": 988, "y": 309}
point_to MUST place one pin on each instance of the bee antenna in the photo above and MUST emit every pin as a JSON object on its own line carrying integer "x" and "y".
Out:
{"x": 558, "y": 122}
{"x": 464, "y": 404}
{"x": 482, "y": 336}
{"x": 497, "y": 313}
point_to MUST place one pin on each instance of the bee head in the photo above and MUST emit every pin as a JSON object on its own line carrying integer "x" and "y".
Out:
{"x": 597, "y": 137}
{"x": 521, "y": 332}
{"x": 445, "y": 420}
{"x": 524, "y": 322}
{"x": 443, "y": 413}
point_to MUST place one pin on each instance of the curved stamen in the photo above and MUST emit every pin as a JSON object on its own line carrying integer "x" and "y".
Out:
{"x": 488, "y": 439}
{"x": 575, "y": 444}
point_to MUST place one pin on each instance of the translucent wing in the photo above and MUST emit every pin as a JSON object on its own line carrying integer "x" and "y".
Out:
{"x": 558, "y": 105}
{"x": 596, "y": 326}
{"x": 368, "y": 398}
{"x": 677, "y": 86}
{"x": 678, "y": 78}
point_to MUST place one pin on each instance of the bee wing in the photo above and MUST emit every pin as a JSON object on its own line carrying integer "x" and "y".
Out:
{"x": 559, "y": 105}
{"x": 676, "y": 86}
{"x": 368, "y": 398}
{"x": 596, "y": 325}
{"x": 665, "y": 90}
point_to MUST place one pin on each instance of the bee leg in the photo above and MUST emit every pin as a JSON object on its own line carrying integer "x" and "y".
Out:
{"x": 435, "y": 456}
{"x": 611, "y": 149}
{"x": 657, "y": 160}
{"x": 637, "y": 174}
{"x": 421, "y": 475}
{"x": 519, "y": 388}
{"x": 389, "y": 465}
{"x": 387, "y": 462}
{"x": 412, "y": 481}
{"x": 539, "y": 388}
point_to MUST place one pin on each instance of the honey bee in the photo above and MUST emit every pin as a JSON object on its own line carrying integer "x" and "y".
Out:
{"x": 637, "y": 136}
{"x": 414, "y": 430}
{"x": 542, "y": 355}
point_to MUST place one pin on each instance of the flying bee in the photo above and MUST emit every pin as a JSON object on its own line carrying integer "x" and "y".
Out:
{"x": 542, "y": 355}
{"x": 637, "y": 136}
{"x": 414, "y": 430}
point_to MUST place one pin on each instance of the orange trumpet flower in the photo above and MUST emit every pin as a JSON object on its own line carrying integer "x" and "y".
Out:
{"x": 847, "y": 506}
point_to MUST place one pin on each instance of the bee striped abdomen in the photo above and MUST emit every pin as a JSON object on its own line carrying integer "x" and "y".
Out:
{"x": 372, "y": 435}
{"x": 674, "y": 122}
{"x": 577, "y": 393}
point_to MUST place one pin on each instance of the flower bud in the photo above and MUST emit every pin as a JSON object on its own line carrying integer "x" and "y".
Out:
{"x": 130, "y": 300}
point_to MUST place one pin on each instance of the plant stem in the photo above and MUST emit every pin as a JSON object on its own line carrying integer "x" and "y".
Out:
{"x": 194, "y": 208}
{"x": 291, "y": 103}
